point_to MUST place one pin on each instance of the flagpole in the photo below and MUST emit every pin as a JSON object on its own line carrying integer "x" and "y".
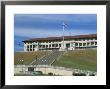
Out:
{"x": 63, "y": 35}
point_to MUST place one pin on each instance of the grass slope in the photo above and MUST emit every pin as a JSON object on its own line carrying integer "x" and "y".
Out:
{"x": 28, "y": 57}
{"x": 81, "y": 59}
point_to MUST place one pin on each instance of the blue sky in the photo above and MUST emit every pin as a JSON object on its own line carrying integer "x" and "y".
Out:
{"x": 28, "y": 26}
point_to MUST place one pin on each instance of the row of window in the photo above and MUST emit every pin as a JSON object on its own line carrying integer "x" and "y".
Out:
{"x": 56, "y": 45}
{"x": 84, "y": 44}
{"x": 53, "y": 45}
{"x": 30, "y": 49}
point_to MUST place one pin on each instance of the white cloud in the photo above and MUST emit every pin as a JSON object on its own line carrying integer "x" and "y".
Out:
{"x": 34, "y": 33}
{"x": 61, "y": 17}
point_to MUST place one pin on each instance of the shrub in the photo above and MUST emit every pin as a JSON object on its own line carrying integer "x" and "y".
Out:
{"x": 91, "y": 74}
{"x": 79, "y": 74}
{"x": 50, "y": 73}
{"x": 82, "y": 74}
{"x": 38, "y": 72}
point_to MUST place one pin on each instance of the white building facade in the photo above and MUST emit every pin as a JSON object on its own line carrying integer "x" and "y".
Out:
{"x": 57, "y": 43}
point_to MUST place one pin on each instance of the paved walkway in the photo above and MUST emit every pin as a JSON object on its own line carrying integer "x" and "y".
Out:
{"x": 48, "y": 59}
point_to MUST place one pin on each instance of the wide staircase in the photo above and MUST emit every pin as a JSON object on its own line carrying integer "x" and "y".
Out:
{"x": 48, "y": 59}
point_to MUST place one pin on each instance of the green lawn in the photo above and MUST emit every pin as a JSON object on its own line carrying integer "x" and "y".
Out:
{"x": 81, "y": 59}
{"x": 28, "y": 57}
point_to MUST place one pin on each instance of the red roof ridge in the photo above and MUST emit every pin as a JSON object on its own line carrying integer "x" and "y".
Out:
{"x": 60, "y": 38}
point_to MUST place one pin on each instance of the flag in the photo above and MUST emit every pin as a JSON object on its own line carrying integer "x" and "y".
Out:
{"x": 65, "y": 25}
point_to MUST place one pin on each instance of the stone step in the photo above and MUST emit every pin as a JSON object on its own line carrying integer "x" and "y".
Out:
{"x": 48, "y": 59}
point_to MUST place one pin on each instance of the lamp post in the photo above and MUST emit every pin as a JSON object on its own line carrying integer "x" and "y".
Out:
{"x": 45, "y": 66}
{"x": 22, "y": 63}
{"x": 37, "y": 62}
{"x": 44, "y": 61}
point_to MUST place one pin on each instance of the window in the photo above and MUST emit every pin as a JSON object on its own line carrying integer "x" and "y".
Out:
{"x": 59, "y": 45}
{"x": 30, "y": 49}
{"x": 91, "y": 38}
{"x": 87, "y": 39}
{"x": 79, "y": 39}
{"x": 43, "y": 46}
{"x": 92, "y": 43}
{"x": 76, "y": 40}
{"x": 84, "y": 39}
{"x": 84, "y": 44}
{"x": 33, "y": 46}
{"x": 80, "y": 44}
{"x": 56, "y": 45}
{"x": 52, "y": 45}
{"x": 30, "y": 46}
{"x": 76, "y": 44}
{"x": 27, "y": 46}
{"x": 40, "y": 45}
{"x": 68, "y": 45}
{"x": 88, "y": 44}
{"x": 31, "y": 69}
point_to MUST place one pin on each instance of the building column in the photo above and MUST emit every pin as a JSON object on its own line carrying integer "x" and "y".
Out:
{"x": 94, "y": 43}
{"x": 82, "y": 44}
{"x": 73, "y": 46}
{"x": 90, "y": 44}
{"x": 29, "y": 46}
{"x": 86, "y": 44}
{"x": 51, "y": 45}
{"x": 37, "y": 46}
{"x": 25, "y": 47}
{"x": 58, "y": 45}
{"x": 78, "y": 44}
{"x": 32, "y": 46}
{"x": 70, "y": 45}
{"x": 44, "y": 46}
{"x": 48, "y": 45}
{"x": 64, "y": 44}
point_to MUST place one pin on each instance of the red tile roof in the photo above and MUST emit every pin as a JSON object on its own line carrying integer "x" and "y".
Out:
{"x": 60, "y": 38}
